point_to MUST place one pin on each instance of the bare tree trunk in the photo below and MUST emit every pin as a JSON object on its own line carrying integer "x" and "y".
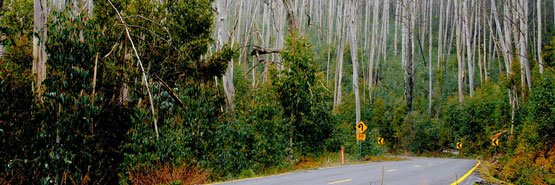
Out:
{"x": 446, "y": 28}
{"x": 354, "y": 54}
{"x": 480, "y": 43}
{"x": 505, "y": 47}
{"x": 539, "y": 17}
{"x": 440, "y": 33}
{"x": 373, "y": 48}
{"x": 430, "y": 40}
{"x": 223, "y": 38}
{"x": 411, "y": 42}
{"x": 467, "y": 23}
{"x": 523, "y": 7}
{"x": 407, "y": 35}
{"x": 459, "y": 50}
{"x": 383, "y": 45}
{"x": 291, "y": 9}
{"x": 330, "y": 31}
{"x": 39, "y": 43}
{"x": 339, "y": 62}
{"x": 397, "y": 20}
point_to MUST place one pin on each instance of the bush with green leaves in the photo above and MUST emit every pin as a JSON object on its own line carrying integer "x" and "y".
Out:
{"x": 301, "y": 98}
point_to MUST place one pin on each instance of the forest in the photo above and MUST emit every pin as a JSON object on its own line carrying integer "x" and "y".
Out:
{"x": 200, "y": 91}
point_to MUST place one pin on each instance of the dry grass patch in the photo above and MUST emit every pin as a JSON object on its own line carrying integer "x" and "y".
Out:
{"x": 167, "y": 174}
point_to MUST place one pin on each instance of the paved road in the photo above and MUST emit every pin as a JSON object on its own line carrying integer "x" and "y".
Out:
{"x": 413, "y": 171}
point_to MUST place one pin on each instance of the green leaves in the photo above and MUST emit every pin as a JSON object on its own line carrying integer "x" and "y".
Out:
{"x": 309, "y": 120}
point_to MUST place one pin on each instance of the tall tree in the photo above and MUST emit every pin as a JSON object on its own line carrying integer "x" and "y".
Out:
{"x": 407, "y": 47}
{"x": 523, "y": 8}
{"x": 354, "y": 53}
{"x": 39, "y": 42}
{"x": 340, "y": 52}
{"x": 539, "y": 32}
{"x": 330, "y": 31}
{"x": 430, "y": 41}
{"x": 440, "y": 33}
{"x": 373, "y": 46}
{"x": 223, "y": 38}
{"x": 460, "y": 62}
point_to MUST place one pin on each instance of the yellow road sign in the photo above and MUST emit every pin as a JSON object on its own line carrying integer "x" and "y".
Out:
{"x": 361, "y": 127}
{"x": 495, "y": 142}
{"x": 459, "y": 145}
{"x": 361, "y": 137}
{"x": 380, "y": 140}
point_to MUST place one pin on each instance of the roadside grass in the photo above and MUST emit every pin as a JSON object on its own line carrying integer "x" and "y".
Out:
{"x": 487, "y": 171}
{"x": 381, "y": 158}
{"x": 327, "y": 160}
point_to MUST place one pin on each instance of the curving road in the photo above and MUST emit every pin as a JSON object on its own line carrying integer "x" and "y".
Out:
{"x": 413, "y": 171}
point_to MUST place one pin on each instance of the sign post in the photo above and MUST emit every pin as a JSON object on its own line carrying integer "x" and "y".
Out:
{"x": 459, "y": 147}
{"x": 360, "y": 128}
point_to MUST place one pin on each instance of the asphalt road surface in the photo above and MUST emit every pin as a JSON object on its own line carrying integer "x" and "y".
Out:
{"x": 413, "y": 171}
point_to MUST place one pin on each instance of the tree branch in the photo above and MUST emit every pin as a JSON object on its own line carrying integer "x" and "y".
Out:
{"x": 142, "y": 68}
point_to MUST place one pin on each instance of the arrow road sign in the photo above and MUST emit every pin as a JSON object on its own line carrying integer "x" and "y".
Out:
{"x": 380, "y": 140}
{"x": 459, "y": 145}
{"x": 495, "y": 142}
{"x": 361, "y": 127}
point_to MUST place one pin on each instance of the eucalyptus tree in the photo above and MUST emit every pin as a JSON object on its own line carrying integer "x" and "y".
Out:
{"x": 39, "y": 46}
{"x": 354, "y": 4}
{"x": 539, "y": 33}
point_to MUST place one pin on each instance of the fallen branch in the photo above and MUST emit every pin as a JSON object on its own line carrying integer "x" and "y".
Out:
{"x": 171, "y": 92}
{"x": 257, "y": 50}
{"x": 142, "y": 68}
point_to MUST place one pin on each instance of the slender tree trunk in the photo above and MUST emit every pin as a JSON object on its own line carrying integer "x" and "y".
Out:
{"x": 407, "y": 48}
{"x": 459, "y": 49}
{"x": 339, "y": 63}
{"x": 539, "y": 17}
{"x": 354, "y": 55}
{"x": 440, "y": 33}
{"x": 467, "y": 23}
{"x": 330, "y": 31}
{"x": 373, "y": 48}
{"x": 292, "y": 17}
{"x": 397, "y": 20}
{"x": 502, "y": 39}
{"x": 383, "y": 45}
{"x": 523, "y": 7}
{"x": 223, "y": 38}
{"x": 430, "y": 40}
{"x": 447, "y": 26}
{"x": 39, "y": 43}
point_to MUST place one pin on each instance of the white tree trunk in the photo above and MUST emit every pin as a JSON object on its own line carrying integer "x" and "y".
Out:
{"x": 460, "y": 61}
{"x": 39, "y": 46}
{"x": 330, "y": 31}
{"x": 339, "y": 63}
{"x": 430, "y": 40}
{"x": 467, "y": 23}
{"x": 397, "y": 20}
{"x": 440, "y": 33}
{"x": 523, "y": 7}
{"x": 354, "y": 54}
{"x": 539, "y": 17}
{"x": 373, "y": 47}
{"x": 223, "y": 38}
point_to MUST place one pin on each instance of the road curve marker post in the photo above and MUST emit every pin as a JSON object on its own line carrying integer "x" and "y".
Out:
{"x": 466, "y": 175}
{"x": 342, "y": 155}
